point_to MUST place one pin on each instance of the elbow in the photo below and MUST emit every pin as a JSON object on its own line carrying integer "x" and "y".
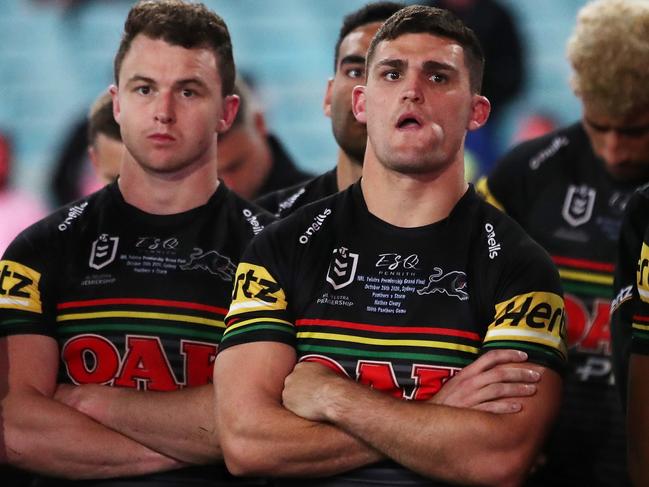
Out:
{"x": 245, "y": 455}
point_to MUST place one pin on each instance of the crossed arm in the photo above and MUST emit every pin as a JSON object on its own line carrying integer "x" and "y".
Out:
{"x": 638, "y": 419}
{"x": 46, "y": 436}
{"x": 261, "y": 436}
{"x": 179, "y": 423}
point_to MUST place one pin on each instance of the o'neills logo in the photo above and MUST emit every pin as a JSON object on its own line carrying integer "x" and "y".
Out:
{"x": 494, "y": 246}
{"x": 73, "y": 213}
{"x": 315, "y": 226}
{"x": 254, "y": 222}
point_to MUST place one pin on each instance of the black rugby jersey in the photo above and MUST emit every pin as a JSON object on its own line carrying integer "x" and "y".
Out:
{"x": 630, "y": 307}
{"x": 133, "y": 299}
{"x": 285, "y": 201}
{"x": 400, "y": 309}
{"x": 562, "y": 195}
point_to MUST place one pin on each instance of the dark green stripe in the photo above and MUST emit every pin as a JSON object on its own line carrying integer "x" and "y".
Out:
{"x": 528, "y": 346}
{"x": 302, "y": 348}
{"x": 19, "y": 322}
{"x": 643, "y": 335}
{"x": 132, "y": 327}
{"x": 283, "y": 328}
{"x": 597, "y": 290}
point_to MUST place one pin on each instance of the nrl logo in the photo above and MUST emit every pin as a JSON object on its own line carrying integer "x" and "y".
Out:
{"x": 342, "y": 268}
{"x": 103, "y": 251}
{"x": 578, "y": 206}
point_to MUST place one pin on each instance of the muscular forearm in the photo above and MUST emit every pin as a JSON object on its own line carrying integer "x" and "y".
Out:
{"x": 273, "y": 441}
{"x": 42, "y": 435}
{"x": 178, "y": 423}
{"x": 452, "y": 444}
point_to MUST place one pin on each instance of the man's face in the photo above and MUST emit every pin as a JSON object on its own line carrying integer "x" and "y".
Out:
{"x": 350, "y": 135}
{"x": 621, "y": 142}
{"x": 418, "y": 103}
{"x": 169, "y": 105}
{"x": 245, "y": 157}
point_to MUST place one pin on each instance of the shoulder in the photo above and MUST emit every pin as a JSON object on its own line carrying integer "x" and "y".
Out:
{"x": 252, "y": 217}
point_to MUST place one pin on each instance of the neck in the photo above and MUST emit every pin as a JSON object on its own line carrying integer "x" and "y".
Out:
{"x": 167, "y": 193}
{"x": 411, "y": 200}
{"x": 348, "y": 170}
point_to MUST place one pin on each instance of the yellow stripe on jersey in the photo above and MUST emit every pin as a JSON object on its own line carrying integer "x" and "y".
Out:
{"x": 536, "y": 317}
{"x": 387, "y": 342}
{"x": 251, "y": 321}
{"x": 586, "y": 277}
{"x": 642, "y": 273}
{"x": 140, "y": 314}
{"x": 482, "y": 188}
{"x": 19, "y": 287}
{"x": 255, "y": 290}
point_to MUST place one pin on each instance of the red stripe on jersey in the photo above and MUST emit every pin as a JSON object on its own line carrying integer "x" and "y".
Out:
{"x": 141, "y": 302}
{"x": 583, "y": 264}
{"x": 388, "y": 329}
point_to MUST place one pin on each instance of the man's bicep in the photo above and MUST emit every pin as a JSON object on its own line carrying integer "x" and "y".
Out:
{"x": 29, "y": 361}
{"x": 253, "y": 371}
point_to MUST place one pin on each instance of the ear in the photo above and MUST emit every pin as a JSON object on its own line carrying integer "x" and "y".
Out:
{"x": 230, "y": 108}
{"x": 114, "y": 92}
{"x": 358, "y": 103}
{"x": 326, "y": 104}
{"x": 479, "y": 112}
{"x": 259, "y": 122}
{"x": 92, "y": 155}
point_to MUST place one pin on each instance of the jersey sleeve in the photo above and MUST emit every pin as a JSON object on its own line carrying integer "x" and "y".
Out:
{"x": 259, "y": 310}
{"x": 627, "y": 309}
{"x": 23, "y": 290}
{"x": 528, "y": 312}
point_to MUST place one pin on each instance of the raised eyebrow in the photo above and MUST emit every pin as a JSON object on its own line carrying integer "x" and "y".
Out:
{"x": 430, "y": 66}
{"x": 352, "y": 59}
{"x": 392, "y": 63}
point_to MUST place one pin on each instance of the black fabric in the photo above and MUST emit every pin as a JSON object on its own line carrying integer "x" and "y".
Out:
{"x": 351, "y": 291}
{"x": 562, "y": 195}
{"x": 284, "y": 172}
{"x": 285, "y": 201}
{"x": 115, "y": 285}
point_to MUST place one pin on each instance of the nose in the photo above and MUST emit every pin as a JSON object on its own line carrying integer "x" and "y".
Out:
{"x": 412, "y": 91}
{"x": 613, "y": 148}
{"x": 164, "y": 108}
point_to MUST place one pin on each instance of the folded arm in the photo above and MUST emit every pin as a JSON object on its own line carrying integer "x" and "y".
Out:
{"x": 180, "y": 424}
{"x": 259, "y": 436}
{"x": 43, "y": 435}
{"x": 446, "y": 443}
{"x": 638, "y": 419}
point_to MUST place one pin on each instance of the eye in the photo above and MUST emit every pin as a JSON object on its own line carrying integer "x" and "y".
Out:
{"x": 438, "y": 78}
{"x": 143, "y": 90}
{"x": 187, "y": 93}
{"x": 355, "y": 73}
{"x": 392, "y": 75}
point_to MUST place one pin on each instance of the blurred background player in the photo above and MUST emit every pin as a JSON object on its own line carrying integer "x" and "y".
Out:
{"x": 568, "y": 189}
{"x": 631, "y": 317}
{"x": 354, "y": 38}
{"x": 253, "y": 161}
{"x": 105, "y": 145}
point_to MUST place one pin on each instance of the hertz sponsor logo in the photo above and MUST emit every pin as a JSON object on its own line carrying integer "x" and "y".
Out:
{"x": 494, "y": 246}
{"x": 19, "y": 287}
{"x": 315, "y": 226}
{"x": 537, "y": 317}
{"x": 255, "y": 289}
{"x": 643, "y": 273}
{"x": 623, "y": 295}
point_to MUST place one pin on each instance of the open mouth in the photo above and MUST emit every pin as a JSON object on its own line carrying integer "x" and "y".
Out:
{"x": 408, "y": 120}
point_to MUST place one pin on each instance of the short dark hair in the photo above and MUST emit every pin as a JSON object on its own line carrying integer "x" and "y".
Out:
{"x": 370, "y": 13}
{"x": 101, "y": 119}
{"x": 179, "y": 23}
{"x": 419, "y": 19}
